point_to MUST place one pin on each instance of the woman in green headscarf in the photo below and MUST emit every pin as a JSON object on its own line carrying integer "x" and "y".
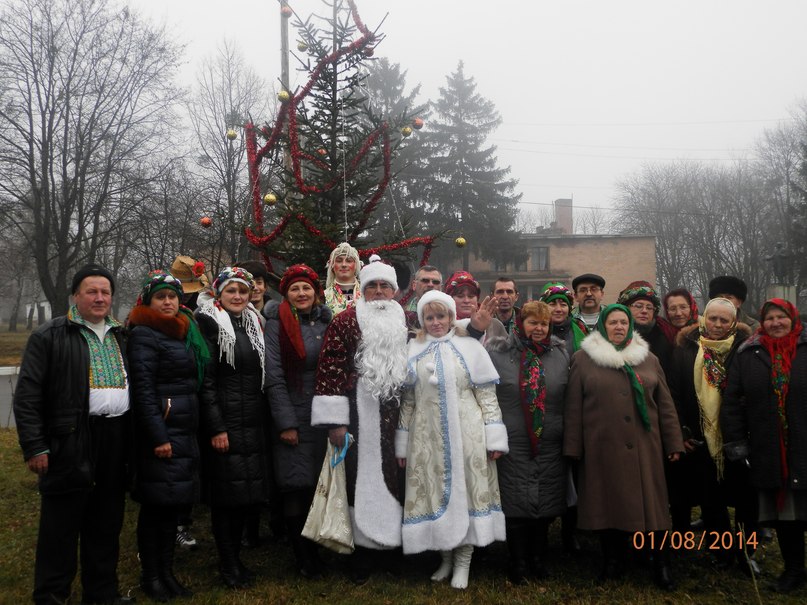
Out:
{"x": 620, "y": 422}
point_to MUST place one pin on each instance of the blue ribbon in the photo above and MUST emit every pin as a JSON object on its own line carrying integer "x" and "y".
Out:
{"x": 340, "y": 453}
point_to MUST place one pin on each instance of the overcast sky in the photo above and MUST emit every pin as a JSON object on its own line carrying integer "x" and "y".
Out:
{"x": 587, "y": 90}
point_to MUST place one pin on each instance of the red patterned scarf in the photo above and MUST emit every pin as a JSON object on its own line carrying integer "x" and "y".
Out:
{"x": 532, "y": 385}
{"x": 782, "y": 351}
{"x": 292, "y": 347}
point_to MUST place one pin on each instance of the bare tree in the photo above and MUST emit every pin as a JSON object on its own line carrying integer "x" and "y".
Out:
{"x": 534, "y": 219}
{"x": 227, "y": 92}
{"x": 84, "y": 91}
{"x": 591, "y": 221}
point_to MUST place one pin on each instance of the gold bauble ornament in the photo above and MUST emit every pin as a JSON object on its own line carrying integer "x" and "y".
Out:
{"x": 283, "y": 96}
{"x": 232, "y": 135}
{"x": 460, "y": 242}
{"x": 302, "y": 46}
{"x": 270, "y": 199}
{"x": 406, "y": 131}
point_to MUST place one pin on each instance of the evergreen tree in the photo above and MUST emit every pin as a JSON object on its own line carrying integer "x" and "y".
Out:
{"x": 330, "y": 150}
{"x": 468, "y": 193}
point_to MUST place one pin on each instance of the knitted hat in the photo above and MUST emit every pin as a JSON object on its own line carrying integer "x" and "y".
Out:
{"x": 377, "y": 270}
{"x": 555, "y": 291}
{"x": 461, "y": 279}
{"x": 639, "y": 290}
{"x": 90, "y": 271}
{"x": 297, "y": 273}
{"x": 191, "y": 273}
{"x": 343, "y": 249}
{"x": 159, "y": 279}
{"x": 728, "y": 284}
{"x": 230, "y": 274}
{"x": 438, "y": 297}
{"x": 588, "y": 278}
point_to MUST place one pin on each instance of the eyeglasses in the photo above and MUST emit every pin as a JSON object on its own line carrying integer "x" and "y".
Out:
{"x": 378, "y": 285}
{"x": 587, "y": 290}
{"x": 426, "y": 280}
{"x": 642, "y": 307}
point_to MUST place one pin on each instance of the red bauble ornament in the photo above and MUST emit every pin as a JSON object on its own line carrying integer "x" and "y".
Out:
{"x": 322, "y": 151}
{"x": 286, "y": 11}
{"x": 417, "y": 123}
{"x": 206, "y": 222}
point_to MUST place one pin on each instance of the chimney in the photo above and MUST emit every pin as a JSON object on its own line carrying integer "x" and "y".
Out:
{"x": 563, "y": 215}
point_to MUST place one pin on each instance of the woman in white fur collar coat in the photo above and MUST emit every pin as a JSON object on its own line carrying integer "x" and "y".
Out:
{"x": 450, "y": 434}
{"x": 620, "y": 422}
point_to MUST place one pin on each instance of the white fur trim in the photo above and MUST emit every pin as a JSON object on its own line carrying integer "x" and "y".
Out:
{"x": 472, "y": 354}
{"x": 376, "y": 270}
{"x": 330, "y": 409}
{"x": 496, "y": 438}
{"x": 401, "y": 443}
{"x": 377, "y": 512}
{"x": 436, "y": 296}
{"x": 605, "y": 355}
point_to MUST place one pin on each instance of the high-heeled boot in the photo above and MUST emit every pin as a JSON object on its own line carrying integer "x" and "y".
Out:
{"x": 229, "y": 568}
{"x": 148, "y": 546}
{"x": 462, "y": 566}
{"x": 517, "y": 537}
{"x": 167, "y": 546}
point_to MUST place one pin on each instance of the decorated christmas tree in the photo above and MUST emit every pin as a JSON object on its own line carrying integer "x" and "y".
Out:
{"x": 320, "y": 171}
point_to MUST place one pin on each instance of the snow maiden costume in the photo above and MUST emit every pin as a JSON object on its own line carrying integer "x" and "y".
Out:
{"x": 450, "y": 420}
{"x": 339, "y": 296}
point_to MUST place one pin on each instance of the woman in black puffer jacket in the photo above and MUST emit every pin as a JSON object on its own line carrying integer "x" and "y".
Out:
{"x": 167, "y": 357}
{"x": 294, "y": 332}
{"x": 235, "y": 464}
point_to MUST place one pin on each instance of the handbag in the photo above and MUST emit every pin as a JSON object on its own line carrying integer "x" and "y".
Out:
{"x": 328, "y": 521}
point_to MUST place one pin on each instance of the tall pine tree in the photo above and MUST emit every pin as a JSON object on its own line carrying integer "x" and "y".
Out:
{"x": 468, "y": 193}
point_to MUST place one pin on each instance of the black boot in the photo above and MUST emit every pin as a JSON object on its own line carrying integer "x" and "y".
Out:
{"x": 790, "y": 535}
{"x": 148, "y": 545}
{"x": 614, "y": 553}
{"x": 229, "y": 567}
{"x": 305, "y": 563}
{"x": 662, "y": 572}
{"x": 568, "y": 531}
{"x": 538, "y": 538}
{"x": 517, "y": 537}
{"x": 167, "y": 546}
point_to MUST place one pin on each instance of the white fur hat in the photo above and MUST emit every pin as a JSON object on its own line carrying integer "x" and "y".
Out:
{"x": 439, "y": 297}
{"x": 376, "y": 270}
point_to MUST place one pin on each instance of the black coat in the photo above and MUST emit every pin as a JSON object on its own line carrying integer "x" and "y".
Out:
{"x": 52, "y": 403}
{"x": 296, "y": 467}
{"x": 659, "y": 346}
{"x": 749, "y": 416}
{"x": 233, "y": 402}
{"x": 163, "y": 371}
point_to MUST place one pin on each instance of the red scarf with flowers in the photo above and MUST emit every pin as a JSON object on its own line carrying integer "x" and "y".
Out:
{"x": 532, "y": 385}
{"x": 782, "y": 351}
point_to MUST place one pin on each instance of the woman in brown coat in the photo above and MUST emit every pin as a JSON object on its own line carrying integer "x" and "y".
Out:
{"x": 619, "y": 423}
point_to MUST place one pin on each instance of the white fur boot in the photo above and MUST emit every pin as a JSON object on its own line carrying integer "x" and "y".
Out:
{"x": 462, "y": 565}
{"x": 445, "y": 567}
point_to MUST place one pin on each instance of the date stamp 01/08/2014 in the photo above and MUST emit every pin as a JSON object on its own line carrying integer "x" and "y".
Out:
{"x": 690, "y": 540}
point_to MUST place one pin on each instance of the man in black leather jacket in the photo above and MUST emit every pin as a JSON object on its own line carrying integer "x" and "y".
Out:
{"x": 72, "y": 412}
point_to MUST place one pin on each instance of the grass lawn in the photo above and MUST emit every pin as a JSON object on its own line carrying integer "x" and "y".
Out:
{"x": 11, "y": 347}
{"x": 572, "y": 581}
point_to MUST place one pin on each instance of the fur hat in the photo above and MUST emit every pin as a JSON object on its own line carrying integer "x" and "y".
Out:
{"x": 588, "y": 278}
{"x": 191, "y": 273}
{"x": 728, "y": 284}
{"x": 90, "y": 271}
{"x": 438, "y": 297}
{"x": 297, "y": 273}
{"x": 377, "y": 270}
{"x": 461, "y": 279}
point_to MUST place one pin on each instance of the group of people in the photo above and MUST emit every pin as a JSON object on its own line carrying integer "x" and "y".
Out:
{"x": 466, "y": 420}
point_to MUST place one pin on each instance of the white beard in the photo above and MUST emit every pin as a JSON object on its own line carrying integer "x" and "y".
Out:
{"x": 381, "y": 356}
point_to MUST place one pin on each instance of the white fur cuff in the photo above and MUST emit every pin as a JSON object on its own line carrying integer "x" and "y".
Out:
{"x": 330, "y": 409}
{"x": 401, "y": 443}
{"x": 496, "y": 438}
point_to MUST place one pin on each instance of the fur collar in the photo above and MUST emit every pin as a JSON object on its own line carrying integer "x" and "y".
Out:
{"x": 605, "y": 355}
{"x": 691, "y": 334}
{"x": 175, "y": 327}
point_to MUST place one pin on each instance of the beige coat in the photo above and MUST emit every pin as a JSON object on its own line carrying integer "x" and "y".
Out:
{"x": 621, "y": 475}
